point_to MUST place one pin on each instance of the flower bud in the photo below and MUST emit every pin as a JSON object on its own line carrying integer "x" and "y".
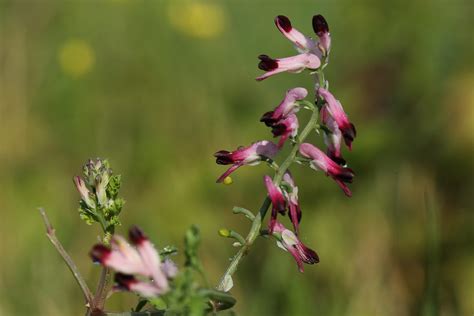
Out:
{"x": 227, "y": 180}
{"x": 224, "y": 232}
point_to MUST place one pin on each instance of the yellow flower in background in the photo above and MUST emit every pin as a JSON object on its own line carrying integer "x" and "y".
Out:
{"x": 76, "y": 57}
{"x": 197, "y": 19}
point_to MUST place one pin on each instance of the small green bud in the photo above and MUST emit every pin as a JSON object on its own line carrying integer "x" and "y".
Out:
{"x": 224, "y": 232}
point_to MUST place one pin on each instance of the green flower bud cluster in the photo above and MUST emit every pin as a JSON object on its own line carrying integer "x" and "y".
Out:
{"x": 99, "y": 190}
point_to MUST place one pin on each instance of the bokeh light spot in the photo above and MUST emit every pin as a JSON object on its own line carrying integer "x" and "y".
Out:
{"x": 201, "y": 20}
{"x": 76, "y": 57}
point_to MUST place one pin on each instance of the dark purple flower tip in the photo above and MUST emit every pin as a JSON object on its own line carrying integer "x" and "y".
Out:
{"x": 278, "y": 129}
{"x": 283, "y": 22}
{"x": 223, "y": 157}
{"x": 320, "y": 26}
{"x": 339, "y": 160}
{"x": 136, "y": 235}
{"x": 268, "y": 119}
{"x": 349, "y": 133}
{"x": 99, "y": 253}
{"x": 267, "y": 63}
{"x": 345, "y": 175}
{"x": 308, "y": 255}
{"x": 123, "y": 281}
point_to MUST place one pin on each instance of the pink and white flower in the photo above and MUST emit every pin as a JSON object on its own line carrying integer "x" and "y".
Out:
{"x": 311, "y": 51}
{"x": 333, "y": 138}
{"x": 293, "y": 203}
{"x": 142, "y": 260}
{"x": 286, "y": 107}
{"x": 321, "y": 28}
{"x": 285, "y": 128}
{"x": 282, "y": 119}
{"x": 293, "y": 64}
{"x": 251, "y": 155}
{"x": 335, "y": 110}
{"x": 320, "y": 161}
{"x": 303, "y": 44}
{"x": 278, "y": 201}
{"x": 84, "y": 192}
{"x": 288, "y": 241}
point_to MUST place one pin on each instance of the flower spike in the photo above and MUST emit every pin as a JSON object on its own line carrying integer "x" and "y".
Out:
{"x": 251, "y": 155}
{"x": 320, "y": 161}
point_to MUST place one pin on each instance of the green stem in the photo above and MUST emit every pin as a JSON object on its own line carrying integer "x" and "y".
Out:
{"x": 246, "y": 212}
{"x": 257, "y": 222}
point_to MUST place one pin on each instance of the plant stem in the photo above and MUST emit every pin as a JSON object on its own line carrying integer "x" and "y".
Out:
{"x": 102, "y": 289}
{"x": 257, "y": 222}
{"x": 50, "y": 232}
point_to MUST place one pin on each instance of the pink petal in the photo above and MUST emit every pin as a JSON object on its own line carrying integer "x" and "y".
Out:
{"x": 284, "y": 26}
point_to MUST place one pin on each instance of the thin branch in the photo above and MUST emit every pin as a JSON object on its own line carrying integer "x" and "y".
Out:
{"x": 50, "y": 233}
{"x": 102, "y": 291}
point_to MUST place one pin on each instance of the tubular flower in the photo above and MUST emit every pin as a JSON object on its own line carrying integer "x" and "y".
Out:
{"x": 293, "y": 203}
{"x": 302, "y": 43}
{"x": 251, "y": 155}
{"x": 334, "y": 108}
{"x": 288, "y": 241}
{"x": 285, "y": 128}
{"x": 333, "y": 138}
{"x": 278, "y": 201}
{"x": 282, "y": 119}
{"x": 286, "y": 107}
{"x": 321, "y": 28}
{"x": 83, "y": 192}
{"x": 319, "y": 161}
{"x": 142, "y": 260}
{"x": 293, "y": 64}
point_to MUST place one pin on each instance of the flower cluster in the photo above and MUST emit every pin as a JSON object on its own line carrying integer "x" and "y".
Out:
{"x": 99, "y": 190}
{"x": 282, "y": 191}
{"x": 139, "y": 269}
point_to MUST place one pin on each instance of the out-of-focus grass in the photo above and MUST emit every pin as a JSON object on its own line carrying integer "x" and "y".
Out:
{"x": 158, "y": 86}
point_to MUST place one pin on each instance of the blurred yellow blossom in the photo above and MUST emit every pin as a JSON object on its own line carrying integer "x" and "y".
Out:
{"x": 76, "y": 57}
{"x": 197, "y": 19}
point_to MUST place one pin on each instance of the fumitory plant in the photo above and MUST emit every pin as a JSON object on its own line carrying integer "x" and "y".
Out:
{"x": 164, "y": 287}
{"x": 328, "y": 118}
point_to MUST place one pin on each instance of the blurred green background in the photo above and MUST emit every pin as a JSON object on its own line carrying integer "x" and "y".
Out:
{"x": 159, "y": 86}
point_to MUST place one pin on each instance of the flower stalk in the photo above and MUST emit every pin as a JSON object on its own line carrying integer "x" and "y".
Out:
{"x": 258, "y": 219}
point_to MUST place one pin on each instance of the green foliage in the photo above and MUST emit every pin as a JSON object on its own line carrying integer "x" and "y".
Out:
{"x": 192, "y": 240}
{"x": 187, "y": 297}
